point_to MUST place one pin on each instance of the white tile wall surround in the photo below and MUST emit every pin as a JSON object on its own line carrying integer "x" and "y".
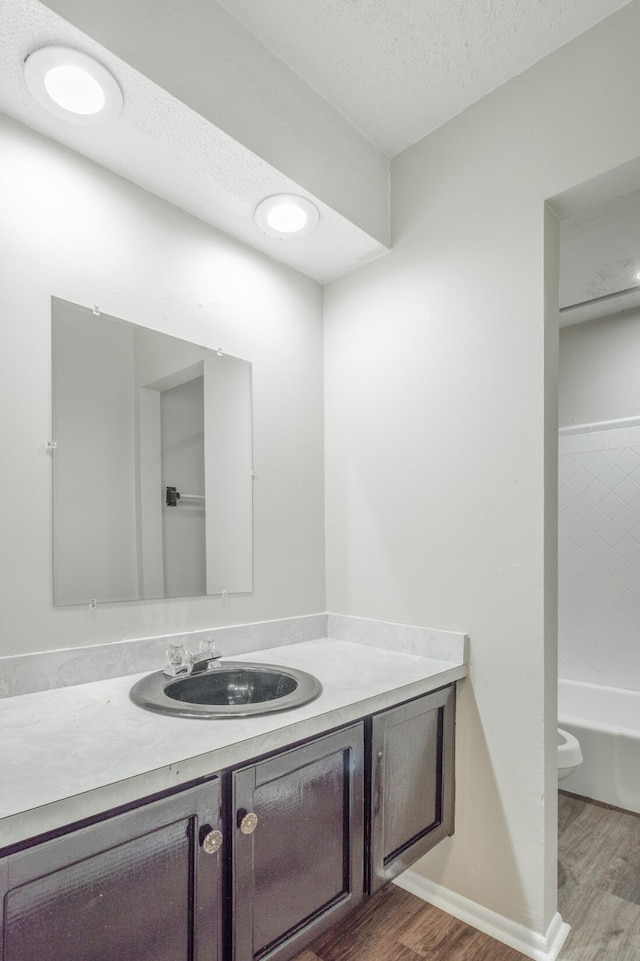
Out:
{"x": 599, "y": 553}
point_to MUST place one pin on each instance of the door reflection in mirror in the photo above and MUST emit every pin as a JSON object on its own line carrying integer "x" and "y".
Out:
{"x": 135, "y": 413}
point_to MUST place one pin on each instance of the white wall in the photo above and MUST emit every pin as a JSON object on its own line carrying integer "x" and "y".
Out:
{"x": 598, "y": 377}
{"x": 72, "y": 230}
{"x": 435, "y": 436}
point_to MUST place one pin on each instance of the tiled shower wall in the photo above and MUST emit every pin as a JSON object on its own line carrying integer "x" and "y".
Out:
{"x": 599, "y": 553}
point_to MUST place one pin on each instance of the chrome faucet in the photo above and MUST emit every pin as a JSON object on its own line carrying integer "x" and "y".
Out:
{"x": 205, "y": 663}
{"x": 180, "y": 661}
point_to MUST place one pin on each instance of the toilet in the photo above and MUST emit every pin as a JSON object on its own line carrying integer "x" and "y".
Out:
{"x": 569, "y": 754}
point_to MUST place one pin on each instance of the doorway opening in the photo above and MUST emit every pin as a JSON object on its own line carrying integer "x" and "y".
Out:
{"x": 598, "y": 559}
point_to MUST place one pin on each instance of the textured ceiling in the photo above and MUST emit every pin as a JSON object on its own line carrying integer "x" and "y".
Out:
{"x": 397, "y": 69}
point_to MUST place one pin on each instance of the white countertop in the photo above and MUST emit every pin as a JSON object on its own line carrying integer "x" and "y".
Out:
{"x": 73, "y": 752}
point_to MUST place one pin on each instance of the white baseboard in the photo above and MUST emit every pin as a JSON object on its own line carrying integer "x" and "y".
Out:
{"x": 537, "y": 946}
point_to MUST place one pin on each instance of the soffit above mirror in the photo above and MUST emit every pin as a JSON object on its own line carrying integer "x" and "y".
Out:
{"x": 176, "y": 152}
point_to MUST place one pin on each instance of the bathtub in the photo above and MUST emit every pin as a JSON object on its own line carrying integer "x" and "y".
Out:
{"x": 606, "y": 721}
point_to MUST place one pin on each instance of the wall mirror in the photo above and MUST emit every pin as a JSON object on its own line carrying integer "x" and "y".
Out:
{"x": 152, "y": 463}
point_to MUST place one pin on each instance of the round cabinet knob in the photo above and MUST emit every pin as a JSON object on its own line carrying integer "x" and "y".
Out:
{"x": 249, "y": 823}
{"x": 212, "y": 842}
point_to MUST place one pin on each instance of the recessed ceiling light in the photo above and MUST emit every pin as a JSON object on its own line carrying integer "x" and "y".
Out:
{"x": 636, "y": 277}
{"x": 286, "y": 215}
{"x": 72, "y": 85}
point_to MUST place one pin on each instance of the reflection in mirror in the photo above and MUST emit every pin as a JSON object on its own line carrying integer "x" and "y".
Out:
{"x": 152, "y": 465}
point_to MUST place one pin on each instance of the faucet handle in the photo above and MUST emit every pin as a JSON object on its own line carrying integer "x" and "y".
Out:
{"x": 177, "y": 660}
{"x": 207, "y": 647}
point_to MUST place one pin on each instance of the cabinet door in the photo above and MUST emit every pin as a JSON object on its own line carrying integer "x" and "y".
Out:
{"x": 412, "y": 783}
{"x": 301, "y": 869}
{"x": 135, "y": 887}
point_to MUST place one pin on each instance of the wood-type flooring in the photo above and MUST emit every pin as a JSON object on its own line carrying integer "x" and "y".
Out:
{"x": 598, "y": 895}
{"x": 598, "y": 880}
{"x": 397, "y": 926}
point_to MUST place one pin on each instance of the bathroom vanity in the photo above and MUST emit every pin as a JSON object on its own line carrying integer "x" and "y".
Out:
{"x": 254, "y": 858}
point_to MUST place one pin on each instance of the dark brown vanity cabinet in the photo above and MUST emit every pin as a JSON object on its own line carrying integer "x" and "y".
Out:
{"x": 297, "y": 846}
{"x": 411, "y": 792}
{"x": 140, "y": 886}
{"x": 307, "y": 832}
